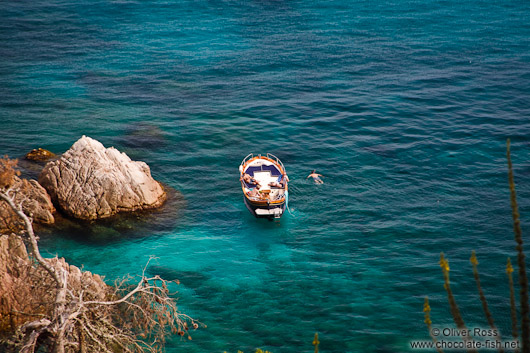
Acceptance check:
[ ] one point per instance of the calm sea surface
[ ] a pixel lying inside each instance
(403, 106)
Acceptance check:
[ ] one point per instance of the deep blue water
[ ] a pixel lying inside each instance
(403, 106)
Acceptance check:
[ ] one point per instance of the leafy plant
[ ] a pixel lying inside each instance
(523, 283)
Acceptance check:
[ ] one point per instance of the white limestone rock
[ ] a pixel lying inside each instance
(90, 181)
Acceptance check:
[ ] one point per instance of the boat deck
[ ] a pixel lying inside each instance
(265, 173)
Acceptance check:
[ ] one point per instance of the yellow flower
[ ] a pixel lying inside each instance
(473, 258)
(315, 341)
(509, 268)
(426, 307)
(427, 310)
(444, 264)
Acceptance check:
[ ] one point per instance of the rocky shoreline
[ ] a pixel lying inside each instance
(87, 182)
(47, 304)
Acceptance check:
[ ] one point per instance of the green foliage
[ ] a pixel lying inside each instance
(523, 279)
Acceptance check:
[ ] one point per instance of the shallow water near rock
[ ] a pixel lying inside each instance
(404, 107)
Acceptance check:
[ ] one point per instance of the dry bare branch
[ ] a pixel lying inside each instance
(83, 314)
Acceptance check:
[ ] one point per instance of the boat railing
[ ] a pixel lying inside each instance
(249, 156)
(273, 157)
(269, 155)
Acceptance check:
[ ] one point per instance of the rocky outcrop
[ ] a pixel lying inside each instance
(28, 291)
(90, 181)
(35, 202)
(39, 155)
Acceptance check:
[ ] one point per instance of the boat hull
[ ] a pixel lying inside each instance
(264, 183)
(264, 210)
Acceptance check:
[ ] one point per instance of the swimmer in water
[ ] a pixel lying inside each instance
(316, 177)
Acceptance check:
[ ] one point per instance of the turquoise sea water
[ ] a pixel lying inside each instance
(403, 106)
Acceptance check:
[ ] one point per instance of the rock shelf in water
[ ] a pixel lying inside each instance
(39, 155)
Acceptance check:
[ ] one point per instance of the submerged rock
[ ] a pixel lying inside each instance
(39, 155)
(35, 201)
(143, 135)
(90, 181)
